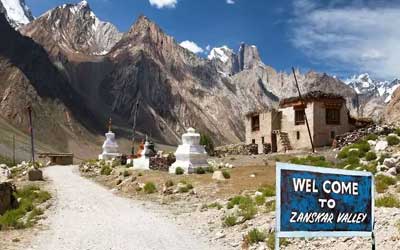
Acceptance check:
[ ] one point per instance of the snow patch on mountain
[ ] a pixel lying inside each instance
(16, 11)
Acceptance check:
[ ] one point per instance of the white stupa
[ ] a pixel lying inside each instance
(110, 146)
(190, 155)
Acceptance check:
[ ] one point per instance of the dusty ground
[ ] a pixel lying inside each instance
(88, 216)
(20, 239)
(188, 209)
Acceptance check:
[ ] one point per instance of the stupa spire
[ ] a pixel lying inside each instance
(109, 125)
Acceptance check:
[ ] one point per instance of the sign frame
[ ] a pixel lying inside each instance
(306, 234)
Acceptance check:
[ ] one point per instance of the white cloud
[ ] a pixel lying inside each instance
(230, 1)
(192, 46)
(163, 3)
(350, 38)
(208, 48)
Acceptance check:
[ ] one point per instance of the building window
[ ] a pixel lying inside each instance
(255, 123)
(332, 116)
(253, 141)
(298, 135)
(262, 140)
(299, 116)
(333, 134)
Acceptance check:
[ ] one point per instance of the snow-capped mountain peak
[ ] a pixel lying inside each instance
(363, 84)
(222, 53)
(16, 12)
(75, 28)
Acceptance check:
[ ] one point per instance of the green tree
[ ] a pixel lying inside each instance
(206, 141)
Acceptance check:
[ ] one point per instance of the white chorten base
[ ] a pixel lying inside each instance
(109, 156)
(190, 165)
(142, 163)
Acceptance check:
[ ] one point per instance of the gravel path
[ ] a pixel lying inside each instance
(87, 216)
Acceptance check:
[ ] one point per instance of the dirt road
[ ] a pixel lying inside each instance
(87, 216)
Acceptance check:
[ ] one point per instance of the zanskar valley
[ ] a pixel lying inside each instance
(116, 135)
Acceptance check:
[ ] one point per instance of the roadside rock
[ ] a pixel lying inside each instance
(35, 174)
(7, 199)
(381, 145)
(217, 175)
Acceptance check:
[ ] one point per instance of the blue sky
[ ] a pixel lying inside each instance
(340, 37)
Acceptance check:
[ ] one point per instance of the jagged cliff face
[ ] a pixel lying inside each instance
(28, 77)
(16, 12)
(392, 110)
(72, 29)
(177, 88)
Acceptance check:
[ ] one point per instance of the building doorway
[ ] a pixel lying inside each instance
(274, 146)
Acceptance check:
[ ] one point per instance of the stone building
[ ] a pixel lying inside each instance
(285, 128)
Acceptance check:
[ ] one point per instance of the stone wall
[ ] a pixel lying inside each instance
(289, 126)
(322, 130)
(237, 149)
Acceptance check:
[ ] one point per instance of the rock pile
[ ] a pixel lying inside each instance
(354, 136)
(162, 162)
(237, 149)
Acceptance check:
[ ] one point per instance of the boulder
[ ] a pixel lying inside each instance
(7, 199)
(5, 173)
(217, 175)
(392, 171)
(35, 174)
(381, 145)
(390, 162)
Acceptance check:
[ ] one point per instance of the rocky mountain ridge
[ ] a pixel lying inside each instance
(176, 88)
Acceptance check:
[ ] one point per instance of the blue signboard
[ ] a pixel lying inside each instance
(317, 202)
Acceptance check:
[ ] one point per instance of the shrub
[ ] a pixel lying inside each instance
(318, 161)
(371, 167)
(343, 153)
(105, 170)
(150, 188)
(270, 206)
(247, 208)
(371, 137)
(140, 174)
(215, 205)
(392, 140)
(259, 200)
(255, 236)
(370, 156)
(230, 221)
(382, 182)
(268, 191)
(183, 189)
(234, 201)
(169, 183)
(126, 173)
(388, 201)
(226, 174)
(208, 144)
(179, 171)
(271, 241)
(209, 169)
(189, 186)
(200, 170)
(397, 131)
(383, 157)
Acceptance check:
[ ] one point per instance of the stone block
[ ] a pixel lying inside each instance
(35, 175)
